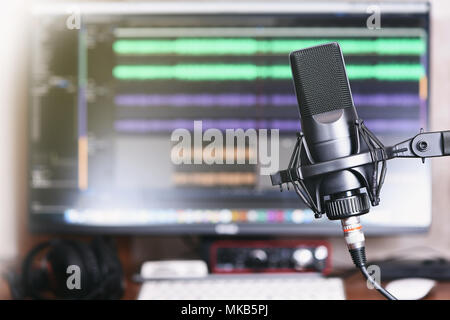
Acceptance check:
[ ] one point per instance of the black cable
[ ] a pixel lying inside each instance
(375, 284)
(359, 259)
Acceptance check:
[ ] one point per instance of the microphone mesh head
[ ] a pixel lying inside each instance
(320, 80)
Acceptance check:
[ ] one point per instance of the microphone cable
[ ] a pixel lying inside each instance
(355, 240)
(359, 257)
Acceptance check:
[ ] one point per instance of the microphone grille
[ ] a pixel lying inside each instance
(320, 79)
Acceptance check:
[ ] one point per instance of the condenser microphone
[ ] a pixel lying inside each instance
(331, 132)
(329, 119)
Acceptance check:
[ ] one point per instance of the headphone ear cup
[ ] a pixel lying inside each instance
(60, 257)
(100, 271)
(110, 269)
(33, 280)
(40, 279)
(90, 274)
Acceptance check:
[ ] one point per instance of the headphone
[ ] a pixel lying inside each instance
(100, 274)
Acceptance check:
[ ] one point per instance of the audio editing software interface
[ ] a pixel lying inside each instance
(107, 94)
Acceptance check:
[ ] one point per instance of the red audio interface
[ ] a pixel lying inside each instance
(277, 256)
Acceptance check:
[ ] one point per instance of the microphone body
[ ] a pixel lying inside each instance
(331, 130)
(328, 119)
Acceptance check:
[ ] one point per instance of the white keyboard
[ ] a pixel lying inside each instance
(245, 287)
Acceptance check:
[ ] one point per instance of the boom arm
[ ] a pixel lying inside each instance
(423, 145)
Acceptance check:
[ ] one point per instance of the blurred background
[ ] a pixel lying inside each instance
(86, 122)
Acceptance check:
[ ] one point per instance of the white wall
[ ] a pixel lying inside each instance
(11, 102)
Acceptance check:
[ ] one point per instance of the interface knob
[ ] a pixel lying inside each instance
(302, 258)
(257, 259)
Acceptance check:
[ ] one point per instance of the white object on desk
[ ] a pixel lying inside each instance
(174, 269)
(245, 287)
(410, 288)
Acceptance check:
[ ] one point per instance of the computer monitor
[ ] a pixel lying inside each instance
(111, 82)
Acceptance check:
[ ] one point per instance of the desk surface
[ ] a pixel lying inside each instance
(355, 289)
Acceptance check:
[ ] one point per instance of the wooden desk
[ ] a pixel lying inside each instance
(355, 289)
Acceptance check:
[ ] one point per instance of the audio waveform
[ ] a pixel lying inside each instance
(249, 72)
(239, 155)
(147, 126)
(251, 100)
(214, 178)
(142, 126)
(249, 46)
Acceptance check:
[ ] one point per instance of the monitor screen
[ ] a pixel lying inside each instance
(167, 118)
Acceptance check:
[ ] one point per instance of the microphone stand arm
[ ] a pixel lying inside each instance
(423, 145)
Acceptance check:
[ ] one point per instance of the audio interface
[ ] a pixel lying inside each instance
(277, 256)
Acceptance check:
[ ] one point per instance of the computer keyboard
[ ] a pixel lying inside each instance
(245, 287)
